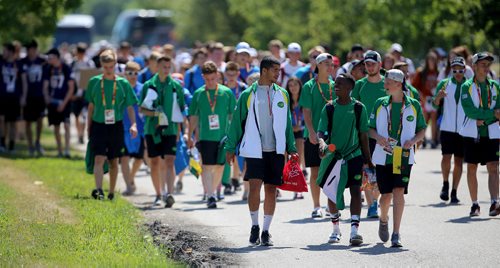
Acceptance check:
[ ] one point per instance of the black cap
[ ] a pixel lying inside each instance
(481, 56)
(54, 51)
(355, 63)
(457, 61)
(356, 47)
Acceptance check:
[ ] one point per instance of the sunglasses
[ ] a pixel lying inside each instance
(458, 71)
(130, 73)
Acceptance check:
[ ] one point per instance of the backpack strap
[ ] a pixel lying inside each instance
(330, 108)
(358, 108)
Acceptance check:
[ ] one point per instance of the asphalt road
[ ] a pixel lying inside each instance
(433, 233)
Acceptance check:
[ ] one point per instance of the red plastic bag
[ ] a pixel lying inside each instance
(293, 178)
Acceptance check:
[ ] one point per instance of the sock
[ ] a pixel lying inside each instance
(335, 220)
(255, 217)
(454, 192)
(446, 185)
(354, 224)
(493, 200)
(475, 203)
(267, 222)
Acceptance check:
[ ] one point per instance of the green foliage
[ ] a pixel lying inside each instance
(23, 20)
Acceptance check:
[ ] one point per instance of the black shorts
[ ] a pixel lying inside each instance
(34, 109)
(484, 151)
(452, 143)
(55, 117)
(209, 152)
(10, 108)
(139, 154)
(298, 134)
(269, 169)
(167, 146)
(77, 106)
(311, 154)
(107, 140)
(387, 180)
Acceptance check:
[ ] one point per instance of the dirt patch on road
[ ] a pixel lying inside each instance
(189, 247)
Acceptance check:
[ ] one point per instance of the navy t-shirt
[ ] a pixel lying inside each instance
(34, 75)
(58, 79)
(10, 84)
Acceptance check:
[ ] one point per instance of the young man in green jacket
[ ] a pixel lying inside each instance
(262, 125)
(161, 128)
(481, 129)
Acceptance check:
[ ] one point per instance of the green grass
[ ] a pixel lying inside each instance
(56, 224)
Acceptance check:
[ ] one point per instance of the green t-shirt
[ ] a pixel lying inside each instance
(395, 111)
(368, 93)
(165, 99)
(125, 96)
(312, 98)
(412, 92)
(344, 133)
(482, 113)
(224, 107)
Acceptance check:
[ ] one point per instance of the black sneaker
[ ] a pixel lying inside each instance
(494, 209)
(254, 236)
(265, 239)
(95, 193)
(212, 202)
(453, 197)
(444, 193)
(111, 196)
(396, 241)
(169, 201)
(236, 184)
(475, 210)
(228, 189)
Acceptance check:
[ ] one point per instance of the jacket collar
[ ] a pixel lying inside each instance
(386, 100)
(254, 86)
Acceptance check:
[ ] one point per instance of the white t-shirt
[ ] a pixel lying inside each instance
(288, 70)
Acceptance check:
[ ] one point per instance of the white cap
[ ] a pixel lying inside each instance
(243, 47)
(396, 75)
(396, 47)
(294, 47)
(252, 52)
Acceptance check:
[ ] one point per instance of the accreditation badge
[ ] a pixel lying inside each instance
(109, 116)
(213, 122)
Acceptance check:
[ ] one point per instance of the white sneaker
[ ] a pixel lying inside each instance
(317, 213)
(334, 237)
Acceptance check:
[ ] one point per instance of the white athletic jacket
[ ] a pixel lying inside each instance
(453, 112)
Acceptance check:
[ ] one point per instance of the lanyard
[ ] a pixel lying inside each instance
(321, 91)
(478, 89)
(295, 116)
(389, 120)
(212, 104)
(269, 102)
(104, 97)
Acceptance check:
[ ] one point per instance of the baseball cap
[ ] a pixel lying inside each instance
(243, 47)
(396, 47)
(294, 47)
(356, 47)
(396, 75)
(372, 56)
(481, 56)
(53, 51)
(321, 58)
(457, 61)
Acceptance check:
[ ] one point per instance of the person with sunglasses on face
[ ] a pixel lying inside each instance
(447, 98)
(481, 129)
(109, 96)
(134, 147)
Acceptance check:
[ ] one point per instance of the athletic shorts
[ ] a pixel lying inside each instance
(482, 152)
(137, 155)
(298, 134)
(354, 171)
(55, 117)
(77, 106)
(167, 146)
(34, 109)
(269, 168)
(107, 140)
(311, 154)
(209, 151)
(10, 108)
(387, 180)
(452, 143)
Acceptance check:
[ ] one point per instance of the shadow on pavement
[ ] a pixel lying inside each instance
(378, 249)
(247, 249)
(467, 219)
(439, 205)
(202, 208)
(324, 247)
(237, 202)
(308, 220)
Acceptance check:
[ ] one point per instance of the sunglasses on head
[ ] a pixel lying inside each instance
(458, 71)
(131, 73)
